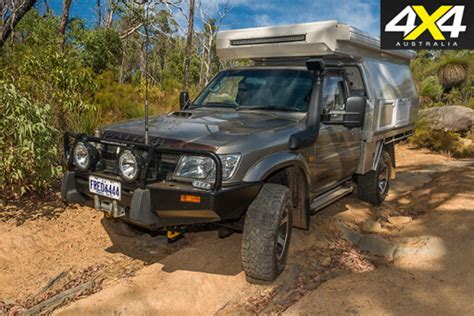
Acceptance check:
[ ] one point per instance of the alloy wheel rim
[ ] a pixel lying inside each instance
(383, 177)
(283, 229)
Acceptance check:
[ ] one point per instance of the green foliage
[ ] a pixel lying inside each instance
(48, 74)
(97, 77)
(442, 141)
(444, 77)
(116, 101)
(27, 143)
(102, 50)
(431, 90)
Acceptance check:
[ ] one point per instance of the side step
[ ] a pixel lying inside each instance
(329, 197)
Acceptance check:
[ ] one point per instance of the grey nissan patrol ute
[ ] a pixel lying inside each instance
(262, 147)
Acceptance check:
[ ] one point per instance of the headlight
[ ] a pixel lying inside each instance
(203, 168)
(129, 165)
(85, 156)
(194, 167)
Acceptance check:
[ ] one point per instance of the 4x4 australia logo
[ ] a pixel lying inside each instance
(435, 24)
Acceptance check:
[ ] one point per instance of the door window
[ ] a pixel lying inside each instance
(334, 96)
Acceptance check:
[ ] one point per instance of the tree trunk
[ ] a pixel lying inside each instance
(64, 20)
(99, 13)
(47, 8)
(9, 24)
(189, 44)
(201, 71)
(208, 62)
(110, 14)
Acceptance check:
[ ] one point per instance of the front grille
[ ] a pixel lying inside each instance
(161, 166)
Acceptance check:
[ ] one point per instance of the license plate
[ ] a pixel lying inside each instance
(105, 187)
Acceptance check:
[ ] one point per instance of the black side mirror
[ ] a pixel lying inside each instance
(355, 112)
(183, 99)
(352, 117)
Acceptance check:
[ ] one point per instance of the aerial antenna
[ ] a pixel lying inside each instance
(147, 40)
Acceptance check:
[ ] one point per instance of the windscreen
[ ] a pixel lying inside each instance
(259, 89)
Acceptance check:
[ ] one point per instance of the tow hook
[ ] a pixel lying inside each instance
(111, 208)
(175, 235)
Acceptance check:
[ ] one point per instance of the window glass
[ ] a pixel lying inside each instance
(284, 89)
(355, 80)
(334, 96)
(226, 91)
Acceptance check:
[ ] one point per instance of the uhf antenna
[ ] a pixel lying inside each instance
(147, 39)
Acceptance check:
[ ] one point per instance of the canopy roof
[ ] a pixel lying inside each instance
(300, 40)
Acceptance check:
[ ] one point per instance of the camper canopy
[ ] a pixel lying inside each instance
(301, 40)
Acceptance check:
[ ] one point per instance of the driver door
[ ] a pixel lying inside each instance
(337, 148)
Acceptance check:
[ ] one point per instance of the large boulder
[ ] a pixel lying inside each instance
(452, 118)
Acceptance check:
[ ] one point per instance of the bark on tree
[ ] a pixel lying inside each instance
(189, 44)
(46, 5)
(110, 14)
(64, 20)
(99, 13)
(130, 31)
(211, 27)
(9, 23)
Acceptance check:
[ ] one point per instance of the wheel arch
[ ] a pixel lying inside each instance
(274, 162)
(291, 170)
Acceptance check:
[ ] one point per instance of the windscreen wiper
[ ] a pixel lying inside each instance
(265, 107)
(215, 105)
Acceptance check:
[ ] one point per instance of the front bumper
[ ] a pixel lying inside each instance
(158, 205)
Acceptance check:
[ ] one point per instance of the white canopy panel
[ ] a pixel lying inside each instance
(300, 40)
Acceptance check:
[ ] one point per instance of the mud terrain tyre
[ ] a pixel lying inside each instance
(267, 233)
(373, 186)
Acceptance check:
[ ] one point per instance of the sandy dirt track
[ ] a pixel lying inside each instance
(427, 222)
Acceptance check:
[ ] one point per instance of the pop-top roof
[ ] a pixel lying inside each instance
(300, 40)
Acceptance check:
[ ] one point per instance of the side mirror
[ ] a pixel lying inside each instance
(355, 112)
(183, 99)
(352, 117)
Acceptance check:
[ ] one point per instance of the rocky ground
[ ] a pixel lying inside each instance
(413, 254)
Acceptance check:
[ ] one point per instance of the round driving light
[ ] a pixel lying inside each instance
(82, 157)
(129, 165)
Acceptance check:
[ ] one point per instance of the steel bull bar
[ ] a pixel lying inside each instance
(156, 204)
(151, 149)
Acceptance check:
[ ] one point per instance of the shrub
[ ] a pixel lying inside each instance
(116, 101)
(102, 50)
(431, 90)
(453, 74)
(48, 74)
(441, 141)
(28, 150)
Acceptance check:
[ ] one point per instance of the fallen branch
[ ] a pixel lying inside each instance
(52, 281)
(50, 304)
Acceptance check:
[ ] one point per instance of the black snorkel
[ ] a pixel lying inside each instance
(313, 118)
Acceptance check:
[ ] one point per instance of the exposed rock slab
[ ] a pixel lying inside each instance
(452, 118)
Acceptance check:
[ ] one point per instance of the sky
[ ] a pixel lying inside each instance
(363, 14)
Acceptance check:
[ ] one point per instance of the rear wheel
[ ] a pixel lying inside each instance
(373, 186)
(267, 233)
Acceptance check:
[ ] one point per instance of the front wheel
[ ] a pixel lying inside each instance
(374, 185)
(267, 232)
